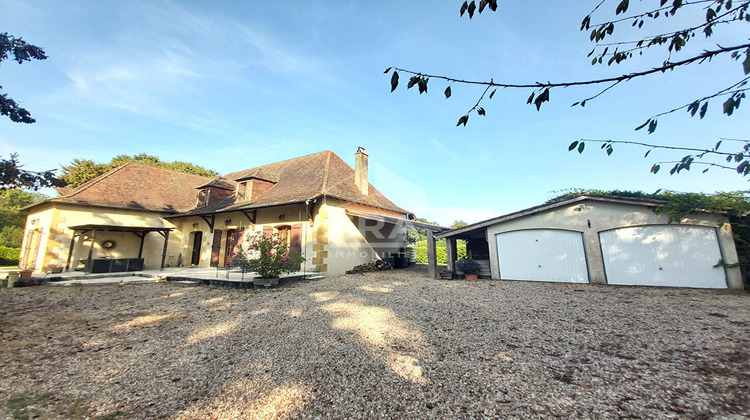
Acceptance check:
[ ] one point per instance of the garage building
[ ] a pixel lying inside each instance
(604, 240)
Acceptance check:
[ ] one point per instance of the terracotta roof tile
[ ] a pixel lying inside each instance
(141, 187)
(300, 179)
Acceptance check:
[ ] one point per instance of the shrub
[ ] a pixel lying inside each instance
(9, 256)
(266, 255)
(468, 266)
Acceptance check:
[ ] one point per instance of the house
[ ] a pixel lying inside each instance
(138, 216)
(604, 240)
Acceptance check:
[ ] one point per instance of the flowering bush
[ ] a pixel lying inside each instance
(265, 255)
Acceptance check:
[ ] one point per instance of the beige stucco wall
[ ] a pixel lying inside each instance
(55, 218)
(353, 241)
(272, 216)
(605, 216)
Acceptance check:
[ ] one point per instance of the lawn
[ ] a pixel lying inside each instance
(387, 345)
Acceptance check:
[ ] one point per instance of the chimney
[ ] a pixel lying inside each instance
(360, 171)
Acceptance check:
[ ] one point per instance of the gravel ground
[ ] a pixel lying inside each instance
(378, 345)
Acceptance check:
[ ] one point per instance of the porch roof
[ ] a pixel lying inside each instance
(395, 220)
(121, 228)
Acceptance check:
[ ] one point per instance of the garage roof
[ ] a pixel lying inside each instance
(472, 229)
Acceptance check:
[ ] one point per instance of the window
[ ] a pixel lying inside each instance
(203, 198)
(241, 191)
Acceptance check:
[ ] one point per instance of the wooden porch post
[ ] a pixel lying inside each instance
(140, 247)
(70, 252)
(431, 255)
(164, 253)
(451, 253)
(89, 265)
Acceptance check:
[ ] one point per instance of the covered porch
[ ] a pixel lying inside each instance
(94, 232)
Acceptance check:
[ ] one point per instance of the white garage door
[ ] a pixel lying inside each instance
(679, 256)
(542, 255)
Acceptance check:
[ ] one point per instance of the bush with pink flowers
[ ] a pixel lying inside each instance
(266, 255)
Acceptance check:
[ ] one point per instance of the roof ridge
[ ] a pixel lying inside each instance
(91, 182)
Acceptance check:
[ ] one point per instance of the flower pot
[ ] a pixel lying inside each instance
(471, 277)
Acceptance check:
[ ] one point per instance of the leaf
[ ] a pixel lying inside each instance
(493, 93)
(583, 103)
(693, 108)
(464, 7)
(746, 63)
(585, 23)
(717, 145)
(531, 98)
(480, 111)
(703, 110)
(710, 14)
(573, 145)
(651, 126)
(394, 81)
(643, 125)
(412, 81)
(387, 70)
(463, 120)
(647, 152)
(482, 5)
(447, 92)
(622, 7)
(422, 85)
(610, 150)
(581, 145)
(655, 168)
(729, 106)
(472, 8)
(542, 98)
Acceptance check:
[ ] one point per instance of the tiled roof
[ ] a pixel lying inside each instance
(139, 187)
(300, 179)
(219, 182)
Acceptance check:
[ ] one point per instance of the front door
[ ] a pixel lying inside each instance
(215, 248)
(229, 246)
(197, 239)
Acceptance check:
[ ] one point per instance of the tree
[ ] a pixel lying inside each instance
(13, 176)
(12, 220)
(718, 14)
(82, 170)
(21, 52)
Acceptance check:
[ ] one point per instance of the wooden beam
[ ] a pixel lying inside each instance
(70, 251)
(140, 247)
(431, 255)
(164, 253)
(451, 253)
(89, 265)
(210, 222)
(251, 215)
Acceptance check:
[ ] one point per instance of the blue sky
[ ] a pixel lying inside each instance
(232, 85)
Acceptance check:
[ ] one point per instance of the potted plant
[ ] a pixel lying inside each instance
(470, 268)
(267, 256)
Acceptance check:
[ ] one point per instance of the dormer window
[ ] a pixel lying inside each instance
(242, 191)
(203, 198)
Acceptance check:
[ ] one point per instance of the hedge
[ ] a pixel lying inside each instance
(421, 252)
(9, 256)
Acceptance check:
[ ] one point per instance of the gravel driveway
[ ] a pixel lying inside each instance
(378, 345)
